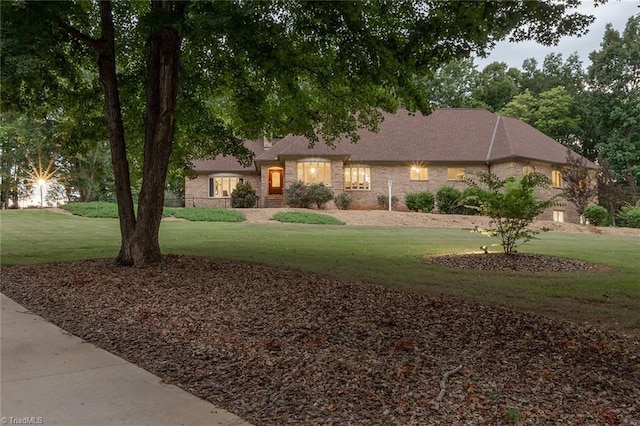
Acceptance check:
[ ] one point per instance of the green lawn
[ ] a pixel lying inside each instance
(391, 256)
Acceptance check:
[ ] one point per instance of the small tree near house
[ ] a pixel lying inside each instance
(580, 185)
(512, 206)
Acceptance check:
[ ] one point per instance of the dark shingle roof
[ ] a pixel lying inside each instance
(446, 135)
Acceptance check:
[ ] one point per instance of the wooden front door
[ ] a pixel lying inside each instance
(276, 177)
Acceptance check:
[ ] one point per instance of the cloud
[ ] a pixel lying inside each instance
(616, 12)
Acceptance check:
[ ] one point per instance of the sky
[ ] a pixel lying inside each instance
(615, 12)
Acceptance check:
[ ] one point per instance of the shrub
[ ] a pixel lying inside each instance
(343, 201)
(470, 203)
(596, 215)
(512, 206)
(383, 201)
(320, 194)
(308, 218)
(630, 215)
(296, 195)
(448, 200)
(419, 201)
(244, 196)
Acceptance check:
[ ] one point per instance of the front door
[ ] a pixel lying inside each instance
(275, 181)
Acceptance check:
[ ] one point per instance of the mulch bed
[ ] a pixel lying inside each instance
(280, 346)
(519, 262)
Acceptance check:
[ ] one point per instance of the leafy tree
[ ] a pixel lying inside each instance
(222, 71)
(611, 192)
(614, 100)
(550, 112)
(580, 182)
(496, 86)
(554, 72)
(512, 206)
(452, 85)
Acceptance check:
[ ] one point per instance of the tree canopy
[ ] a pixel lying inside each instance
(192, 79)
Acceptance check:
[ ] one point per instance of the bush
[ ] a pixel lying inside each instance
(383, 201)
(470, 203)
(308, 218)
(419, 201)
(296, 195)
(448, 200)
(244, 196)
(512, 206)
(630, 215)
(343, 201)
(596, 215)
(320, 194)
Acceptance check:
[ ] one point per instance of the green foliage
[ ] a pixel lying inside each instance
(206, 214)
(512, 206)
(383, 201)
(448, 200)
(244, 196)
(300, 195)
(630, 216)
(470, 200)
(419, 201)
(512, 416)
(320, 194)
(308, 218)
(343, 200)
(296, 195)
(93, 209)
(596, 215)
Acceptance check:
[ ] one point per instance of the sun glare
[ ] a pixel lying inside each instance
(39, 176)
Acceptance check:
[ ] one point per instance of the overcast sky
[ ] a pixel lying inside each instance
(615, 12)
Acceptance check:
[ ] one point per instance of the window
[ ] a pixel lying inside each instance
(419, 173)
(357, 177)
(558, 216)
(527, 170)
(316, 171)
(222, 186)
(556, 179)
(455, 173)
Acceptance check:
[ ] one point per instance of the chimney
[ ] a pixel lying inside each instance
(266, 143)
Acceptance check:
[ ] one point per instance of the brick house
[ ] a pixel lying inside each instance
(414, 152)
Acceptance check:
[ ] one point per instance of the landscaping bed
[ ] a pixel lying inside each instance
(280, 346)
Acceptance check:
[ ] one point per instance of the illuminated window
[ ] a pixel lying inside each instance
(316, 171)
(556, 179)
(357, 177)
(527, 170)
(419, 173)
(558, 216)
(222, 186)
(455, 173)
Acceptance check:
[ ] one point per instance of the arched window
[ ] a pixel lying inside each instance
(527, 170)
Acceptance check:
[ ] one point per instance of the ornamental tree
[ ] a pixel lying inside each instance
(512, 206)
(185, 79)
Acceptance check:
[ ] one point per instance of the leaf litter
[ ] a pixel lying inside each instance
(279, 346)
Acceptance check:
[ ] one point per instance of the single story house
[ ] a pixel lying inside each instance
(410, 153)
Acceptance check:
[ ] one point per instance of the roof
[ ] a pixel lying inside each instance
(454, 135)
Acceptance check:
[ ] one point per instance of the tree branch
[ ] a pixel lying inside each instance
(82, 37)
(443, 382)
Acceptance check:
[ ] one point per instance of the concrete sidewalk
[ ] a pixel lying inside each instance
(50, 377)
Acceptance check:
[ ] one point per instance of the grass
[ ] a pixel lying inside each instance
(100, 209)
(390, 256)
(306, 217)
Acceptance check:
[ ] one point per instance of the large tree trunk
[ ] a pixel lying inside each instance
(115, 127)
(163, 63)
(140, 244)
